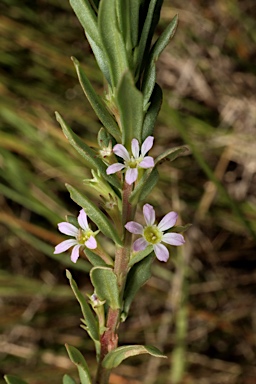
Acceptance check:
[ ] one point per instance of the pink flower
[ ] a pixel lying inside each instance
(84, 236)
(153, 234)
(134, 161)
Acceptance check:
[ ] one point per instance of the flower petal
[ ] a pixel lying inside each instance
(121, 151)
(135, 148)
(147, 145)
(173, 239)
(168, 221)
(114, 168)
(82, 220)
(131, 175)
(64, 245)
(68, 229)
(161, 252)
(91, 243)
(147, 162)
(75, 253)
(134, 227)
(149, 214)
(140, 244)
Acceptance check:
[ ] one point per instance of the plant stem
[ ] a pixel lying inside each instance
(109, 339)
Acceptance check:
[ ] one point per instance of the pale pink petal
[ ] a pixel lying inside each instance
(149, 214)
(75, 253)
(140, 244)
(131, 175)
(68, 229)
(134, 227)
(168, 221)
(114, 168)
(135, 148)
(147, 145)
(161, 252)
(147, 162)
(91, 243)
(64, 245)
(121, 151)
(82, 220)
(173, 239)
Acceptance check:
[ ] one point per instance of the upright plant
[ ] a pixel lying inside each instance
(120, 33)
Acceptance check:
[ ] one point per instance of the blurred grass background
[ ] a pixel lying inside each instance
(200, 307)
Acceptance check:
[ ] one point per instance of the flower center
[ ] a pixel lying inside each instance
(133, 163)
(152, 234)
(83, 236)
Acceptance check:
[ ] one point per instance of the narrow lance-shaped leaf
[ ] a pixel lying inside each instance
(164, 39)
(134, 10)
(77, 358)
(68, 380)
(115, 358)
(123, 15)
(95, 214)
(152, 112)
(94, 259)
(112, 41)
(137, 277)
(86, 152)
(149, 80)
(96, 102)
(100, 57)
(150, 70)
(87, 18)
(90, 320)
(130, 102)
(171, 154)
(10, 379)
(104, 281)
(138, 256)
(151, 21)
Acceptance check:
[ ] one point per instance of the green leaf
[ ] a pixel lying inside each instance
(86, 152)
(149, 80)
(134, 9)
(124, 17)
(138, 256)
(77, 358)
(144, 186)
(95, 214)
(94, 259)
(87, 18)
(10, 379)
(96, 102)
(68, 380)
(149, 77)
(171, 154)
(104, 281)
(137, 277)
(100, 57)
(130, 102)
(152, 112)
(163, 40)
(112, 40)
(180, 228)
(151, 21)
(115, 358)
(89, 318)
